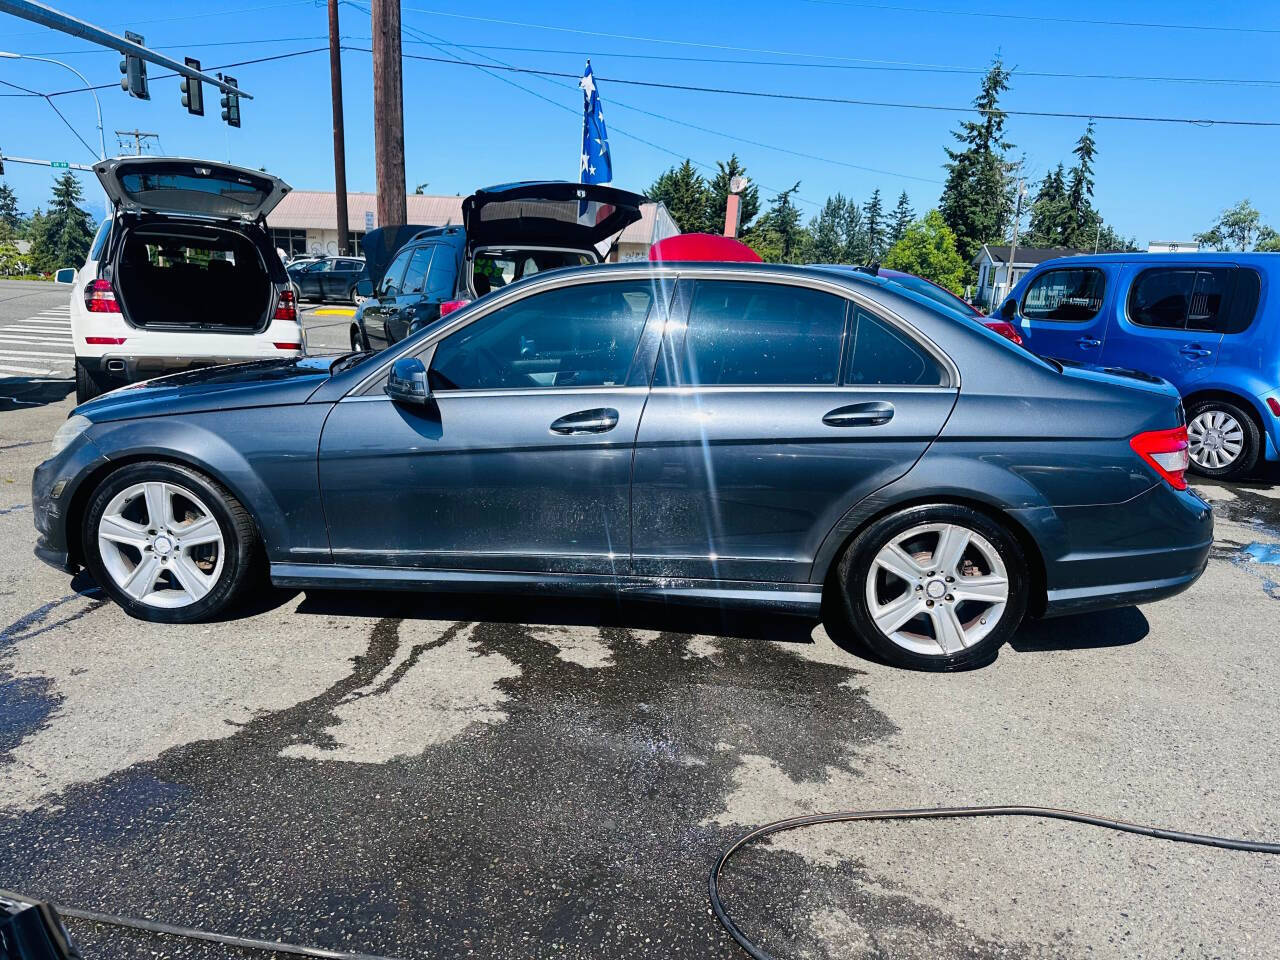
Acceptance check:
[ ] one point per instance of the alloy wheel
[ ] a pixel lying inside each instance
(1215, 439)
(937, 589)
(160, 544)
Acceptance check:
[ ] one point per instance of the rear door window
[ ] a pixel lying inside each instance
(1067, 295)
(1162, 298)
(415, 275)
(390, 284)
(742, 333)
(880, 354)
(443, 278)
(1208, 299)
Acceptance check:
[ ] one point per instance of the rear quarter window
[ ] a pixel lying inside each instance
(1065, 295)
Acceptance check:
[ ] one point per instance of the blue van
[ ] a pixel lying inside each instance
(1209, 323)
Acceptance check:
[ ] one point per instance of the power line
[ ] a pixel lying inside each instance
(851, 101)
(1148, 25)
(177, 46)
(191, 16)
(28, 92)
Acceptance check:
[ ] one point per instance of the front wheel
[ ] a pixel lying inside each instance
(167, 543)
(1224, 441)
(935, 587)
(357, 341)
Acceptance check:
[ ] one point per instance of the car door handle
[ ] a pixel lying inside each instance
(599, 420)
(1088, 343)
(871, 413)
(1195, 350)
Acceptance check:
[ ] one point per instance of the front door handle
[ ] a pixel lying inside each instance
(871, 413)
(1088, 343)
(1194, 350)
(599, 420)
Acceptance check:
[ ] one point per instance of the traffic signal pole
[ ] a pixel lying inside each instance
(388, 113)
(339, 132)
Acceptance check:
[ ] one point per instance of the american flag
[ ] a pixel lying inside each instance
(595, 165)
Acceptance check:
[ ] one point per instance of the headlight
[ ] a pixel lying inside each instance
(68, 432)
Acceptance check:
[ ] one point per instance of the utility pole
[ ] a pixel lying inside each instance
(339, 133)
(139, 137)
(1017, 219)
(388, 114)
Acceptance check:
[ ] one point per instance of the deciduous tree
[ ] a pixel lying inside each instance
(928, 249)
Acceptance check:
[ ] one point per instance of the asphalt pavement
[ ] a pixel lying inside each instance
(462, 776)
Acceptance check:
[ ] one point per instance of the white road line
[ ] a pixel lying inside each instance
(50, 322)
(33, 342)
(39, 371)
(22, 354)
(44, 330)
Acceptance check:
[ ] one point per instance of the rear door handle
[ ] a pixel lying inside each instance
(1088, 343)
(599, 420)
(870, 413)
(1195, 350)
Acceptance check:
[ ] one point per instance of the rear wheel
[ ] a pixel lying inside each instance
(1224, 441)
(167, 543)
(87, 385)
(357, 340)
(935, 587)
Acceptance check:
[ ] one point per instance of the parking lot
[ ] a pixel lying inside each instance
(431, 776)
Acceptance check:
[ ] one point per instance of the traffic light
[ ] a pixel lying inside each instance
(193, 90)
(230, 103)
(134, 70)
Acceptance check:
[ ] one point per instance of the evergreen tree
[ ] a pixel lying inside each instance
(65, 232)
(876, 227)
(1049, 212)
(975, 200)
(718, 196)
(685, 194)
(856, 247)
(901, 219)
(777, 235)
(927, 248)
(10, 218)
(827, 231)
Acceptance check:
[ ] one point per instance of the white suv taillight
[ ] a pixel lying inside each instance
(286, 308)
(100, 298)
(1166, 451)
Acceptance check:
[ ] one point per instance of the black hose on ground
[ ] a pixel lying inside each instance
(948, 813)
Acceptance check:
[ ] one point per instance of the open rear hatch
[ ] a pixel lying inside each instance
(190, 188)
(548, 213)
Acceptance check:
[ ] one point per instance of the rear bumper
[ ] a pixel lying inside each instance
(114, 370)
(1148, 548)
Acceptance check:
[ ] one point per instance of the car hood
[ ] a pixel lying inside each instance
(255, 383)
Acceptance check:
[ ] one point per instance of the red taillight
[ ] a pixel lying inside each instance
(449, 306)
(105, 341)
(1274, 404)
(1166, 452)
(1005, 329)
(287, 346)
(286, 309)
(100, 298)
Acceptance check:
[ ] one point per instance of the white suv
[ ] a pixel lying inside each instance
(182, 275)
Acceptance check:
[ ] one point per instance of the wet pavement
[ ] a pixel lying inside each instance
(463, 776)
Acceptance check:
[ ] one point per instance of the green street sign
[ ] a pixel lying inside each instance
(61, 164)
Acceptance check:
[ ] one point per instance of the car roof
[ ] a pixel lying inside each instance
(1268, 260)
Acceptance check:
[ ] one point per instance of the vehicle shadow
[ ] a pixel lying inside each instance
(563, 611)
(1084, 631)
(23, 393)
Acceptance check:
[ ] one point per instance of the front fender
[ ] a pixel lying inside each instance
(266, 458)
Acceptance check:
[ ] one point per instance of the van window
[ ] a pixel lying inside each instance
(762, 334)
(390, 284)
(443, 277)
(1210, 299)
(882, 354)
(415, 276)
(1066, 295)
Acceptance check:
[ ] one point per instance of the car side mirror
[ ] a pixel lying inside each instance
(408, 382)
(1010, 310)
(66, 275)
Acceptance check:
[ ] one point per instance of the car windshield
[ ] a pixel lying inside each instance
(498, 267)
(935, 292)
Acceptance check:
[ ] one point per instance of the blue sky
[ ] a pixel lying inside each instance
(465, 129)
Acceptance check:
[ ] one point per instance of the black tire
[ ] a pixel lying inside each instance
(358, 342)
(855, 568)
(87, 385)
(239, 534)
(351, 296)
(1247, 459)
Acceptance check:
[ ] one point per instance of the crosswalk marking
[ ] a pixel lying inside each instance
(38, 346)
(34, 342)
(19, 355)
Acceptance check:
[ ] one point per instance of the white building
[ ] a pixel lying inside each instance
(306, 222)
(996, 276)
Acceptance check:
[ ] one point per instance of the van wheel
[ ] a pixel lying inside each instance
(935, 587)
(168, 544)
(1224, 440)
(87, 386)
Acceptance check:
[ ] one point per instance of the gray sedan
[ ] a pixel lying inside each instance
(742, 435)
